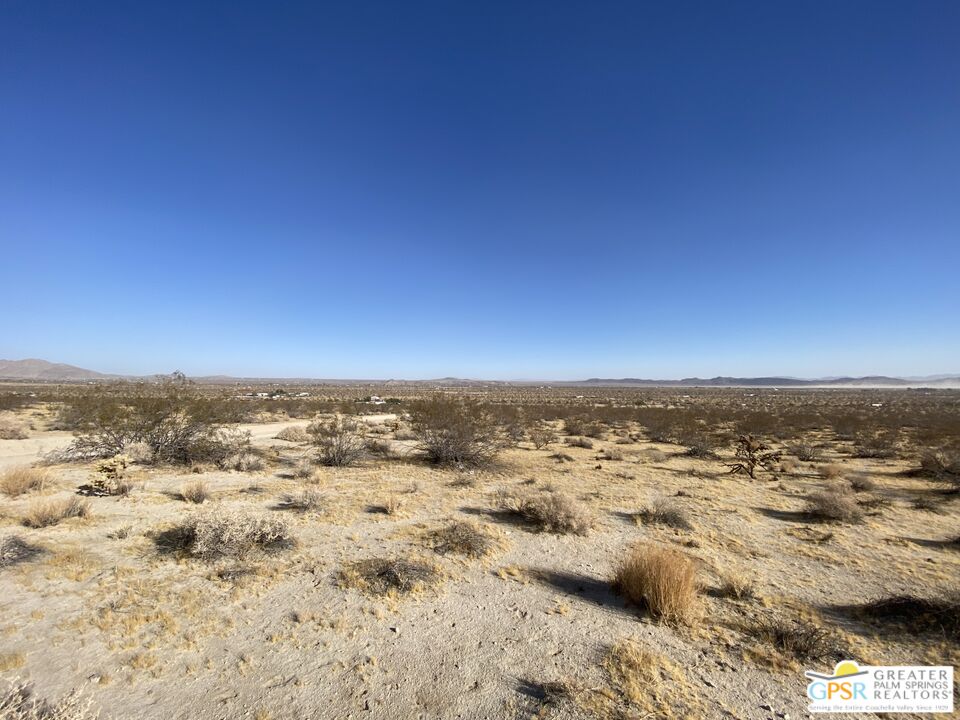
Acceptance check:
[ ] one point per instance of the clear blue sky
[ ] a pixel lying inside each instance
(487, 189)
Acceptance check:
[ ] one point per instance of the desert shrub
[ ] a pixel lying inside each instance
(456, 431)
(665, 512)
(699, 445)
(832, 471)
(195, 491)
(789, 465)
(594, 430)
(10, 430)
(19, 480)
(405, 434)
(562, 457)
(913, 615)
(881, 446)
(802, 640)
(662, 580)
(389, 576)
(833, 505)
(244, 460)
(928, 503)
(542, 435)
(862, 483)
(15, 550)
(611, 453)
(574, 426)
(943, 464)
(307, 500)
(462, 538)
(339, 441)
(580, 442)
(47, 512)
(303, 469)
(225, 532)
(548, 511)
(17, 702)
(179, 425)
(294, 433)
(379, 448)
(806, 452)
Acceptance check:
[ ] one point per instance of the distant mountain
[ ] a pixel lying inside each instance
(41, 370)
(33, 369)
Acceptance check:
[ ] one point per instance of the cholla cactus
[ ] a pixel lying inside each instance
(110, 476)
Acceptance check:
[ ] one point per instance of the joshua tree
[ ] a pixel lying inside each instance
(751, 454)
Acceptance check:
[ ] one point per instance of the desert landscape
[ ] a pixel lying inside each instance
(175, 550)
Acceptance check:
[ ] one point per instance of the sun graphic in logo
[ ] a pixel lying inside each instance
(843, 669)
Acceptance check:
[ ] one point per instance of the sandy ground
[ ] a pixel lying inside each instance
(148, 636)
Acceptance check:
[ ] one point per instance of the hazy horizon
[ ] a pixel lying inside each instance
(536, 191)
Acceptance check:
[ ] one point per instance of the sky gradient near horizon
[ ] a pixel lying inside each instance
(501, 190)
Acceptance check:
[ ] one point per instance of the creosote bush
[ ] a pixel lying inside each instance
(662, 580)
(340, 441)
(47, 512)
(20, 480)
(548, 511)
(456, 431)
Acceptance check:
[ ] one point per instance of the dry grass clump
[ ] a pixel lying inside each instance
(15, 550)
(833, 505)
(832, 471)
(10, 430)
(226, 533)
(17, 702)
(463, 538)
(303, 469)
(802, 640)
(548, 511)
(662, 580)
(294, 433)
(389, 576)
(19, 480)
(648, 682)
(665, 512)
(44, 513)
(307, 500)
(736, 587)
(195, 491)
(913, 615)
(580, 442)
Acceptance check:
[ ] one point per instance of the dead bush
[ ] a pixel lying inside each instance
(833, 505)
(294, 434)
(549, 511)
(802, 640)
(20, 480)
(44, 513)
(15, 550)
(752, 454)
(195, 491)
(662, 580)
(456, 431)
(17, 702)
(462, 538)
(339, 441)
(222, 532)
(664, 511)
(389, 576)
